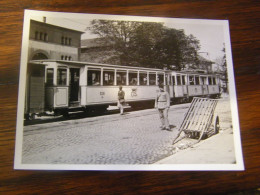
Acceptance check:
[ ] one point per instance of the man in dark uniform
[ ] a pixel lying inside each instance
(121, 100)
(162, 103)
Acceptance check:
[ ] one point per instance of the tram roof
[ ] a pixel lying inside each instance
(195, 73)
(80, 63)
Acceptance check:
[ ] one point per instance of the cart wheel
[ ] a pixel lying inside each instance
(216, 125)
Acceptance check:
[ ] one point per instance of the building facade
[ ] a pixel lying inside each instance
(48, 41)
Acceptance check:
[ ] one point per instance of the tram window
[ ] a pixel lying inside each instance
(94, 77)
(197, 80)
(166, 79)
(183, 80)
(191, 80)
(214, 81)
(210, 81)
(49, 76)
(203, 80)
(121, 78)
(178, 80)
(62, 76)
(173, 80)
(142, 78)
(160, 79)
(152, 79)
(132, 78)
(108, 77)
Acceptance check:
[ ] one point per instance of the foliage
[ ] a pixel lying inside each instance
(148, 44)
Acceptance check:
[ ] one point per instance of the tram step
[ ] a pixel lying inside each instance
(116, 108)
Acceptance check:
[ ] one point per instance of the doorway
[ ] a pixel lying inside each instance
(74, 86)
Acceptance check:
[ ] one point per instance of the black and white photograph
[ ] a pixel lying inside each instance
(116, 92)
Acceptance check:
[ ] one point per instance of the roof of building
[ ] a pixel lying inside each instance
(55, 26)
(95, 42)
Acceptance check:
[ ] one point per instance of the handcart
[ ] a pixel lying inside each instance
(200, 120)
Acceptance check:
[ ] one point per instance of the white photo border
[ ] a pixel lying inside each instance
(150, 167)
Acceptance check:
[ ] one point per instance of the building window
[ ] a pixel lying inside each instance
(66, 40)
(41, 36)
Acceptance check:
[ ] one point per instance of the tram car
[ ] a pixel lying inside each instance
(186, 85)
(61, 86)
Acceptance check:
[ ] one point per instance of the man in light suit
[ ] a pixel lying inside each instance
(162, 103)
(121, 100)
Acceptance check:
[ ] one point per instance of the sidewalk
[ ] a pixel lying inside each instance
(205, 151)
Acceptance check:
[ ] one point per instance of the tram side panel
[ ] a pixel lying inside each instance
(213, 90)
(195, 90)
(56, 97)
(108, 95)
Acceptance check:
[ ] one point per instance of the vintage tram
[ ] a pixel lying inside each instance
(62, 86)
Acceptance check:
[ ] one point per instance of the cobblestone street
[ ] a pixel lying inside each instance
(133, 138)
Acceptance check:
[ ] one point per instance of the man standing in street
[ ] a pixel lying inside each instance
(121, 100)
(162, 103)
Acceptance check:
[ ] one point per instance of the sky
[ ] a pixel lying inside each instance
(210, 35)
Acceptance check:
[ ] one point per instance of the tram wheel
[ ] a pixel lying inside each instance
(65, 114)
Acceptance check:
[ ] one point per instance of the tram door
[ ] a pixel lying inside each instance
(74, 87)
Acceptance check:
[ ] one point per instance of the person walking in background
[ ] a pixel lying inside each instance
(121, 100)
(162, 103)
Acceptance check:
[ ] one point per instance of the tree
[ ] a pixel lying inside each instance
(222, 69)
(148, 44)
